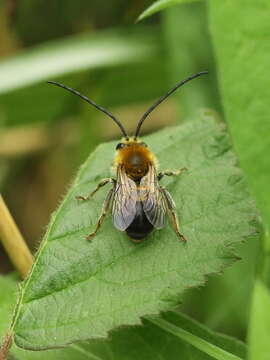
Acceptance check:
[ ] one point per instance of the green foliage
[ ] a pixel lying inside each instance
(79, 290)
(235, 285)
(190, 332)
(189, 50)
(72, 55)
(259, 323)
(7, 302)
(69, 58)
(161, 5)
(92, 288)
(239, 35)
(67, 16)
(139, 342)
(243, 55)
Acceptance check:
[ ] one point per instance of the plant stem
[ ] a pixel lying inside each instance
(201, 344)
(264, 270)
(13, 241)
(5, 347)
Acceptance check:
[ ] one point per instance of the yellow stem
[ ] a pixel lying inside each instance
(5, 347)
(13, 241)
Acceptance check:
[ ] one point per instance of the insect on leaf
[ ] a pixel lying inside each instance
(79, 290)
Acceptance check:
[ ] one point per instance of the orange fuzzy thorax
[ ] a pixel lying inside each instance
(135, 157)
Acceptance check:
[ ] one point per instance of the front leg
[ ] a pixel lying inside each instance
(171, 173)
(170, 205)
(105, 209)
(99, 185)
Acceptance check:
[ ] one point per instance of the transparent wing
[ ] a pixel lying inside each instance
(152, 198)
(124, 201)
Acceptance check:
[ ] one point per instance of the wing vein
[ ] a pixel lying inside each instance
(124, 201)
(152, 199)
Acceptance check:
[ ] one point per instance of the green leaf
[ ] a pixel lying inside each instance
(188, 51)
(160, 5)
(239, 30)
(72, 58)
(235, 286)
(71, 55)
(147, 340)
(191, 332)
(79, 290)
(7, 302)
(259, 329)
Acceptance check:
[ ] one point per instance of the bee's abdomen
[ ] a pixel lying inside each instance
(140, 226)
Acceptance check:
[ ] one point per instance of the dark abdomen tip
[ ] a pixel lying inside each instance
(140, 227)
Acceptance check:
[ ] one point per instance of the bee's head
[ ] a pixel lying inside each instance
(134, 155)
(128, 142)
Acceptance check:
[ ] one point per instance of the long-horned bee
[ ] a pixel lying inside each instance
(137, 200)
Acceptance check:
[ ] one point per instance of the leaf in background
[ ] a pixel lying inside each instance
(211, 344)
(160, 5)
(259, 323)
(235, 285)
(8, 289)
(189, 50)
(24, 99)
(240, 35)
(239, 31)
(71, 55)
(79, 290)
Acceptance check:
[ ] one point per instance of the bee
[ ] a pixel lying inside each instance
(137, 201)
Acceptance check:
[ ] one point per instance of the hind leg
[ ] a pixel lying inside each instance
(170, 205)
(105, 209)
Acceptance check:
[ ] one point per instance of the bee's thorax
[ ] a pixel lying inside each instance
(135, 158)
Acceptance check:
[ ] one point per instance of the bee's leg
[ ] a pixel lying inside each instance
(170, 173)
(105, 209)
(172, 213)
(99, 185)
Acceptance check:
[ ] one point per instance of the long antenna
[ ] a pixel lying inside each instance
(92, 103)
(162, 98)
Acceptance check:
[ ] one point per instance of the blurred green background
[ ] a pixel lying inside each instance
(46, 133)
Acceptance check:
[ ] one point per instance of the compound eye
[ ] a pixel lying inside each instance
(120, 146)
